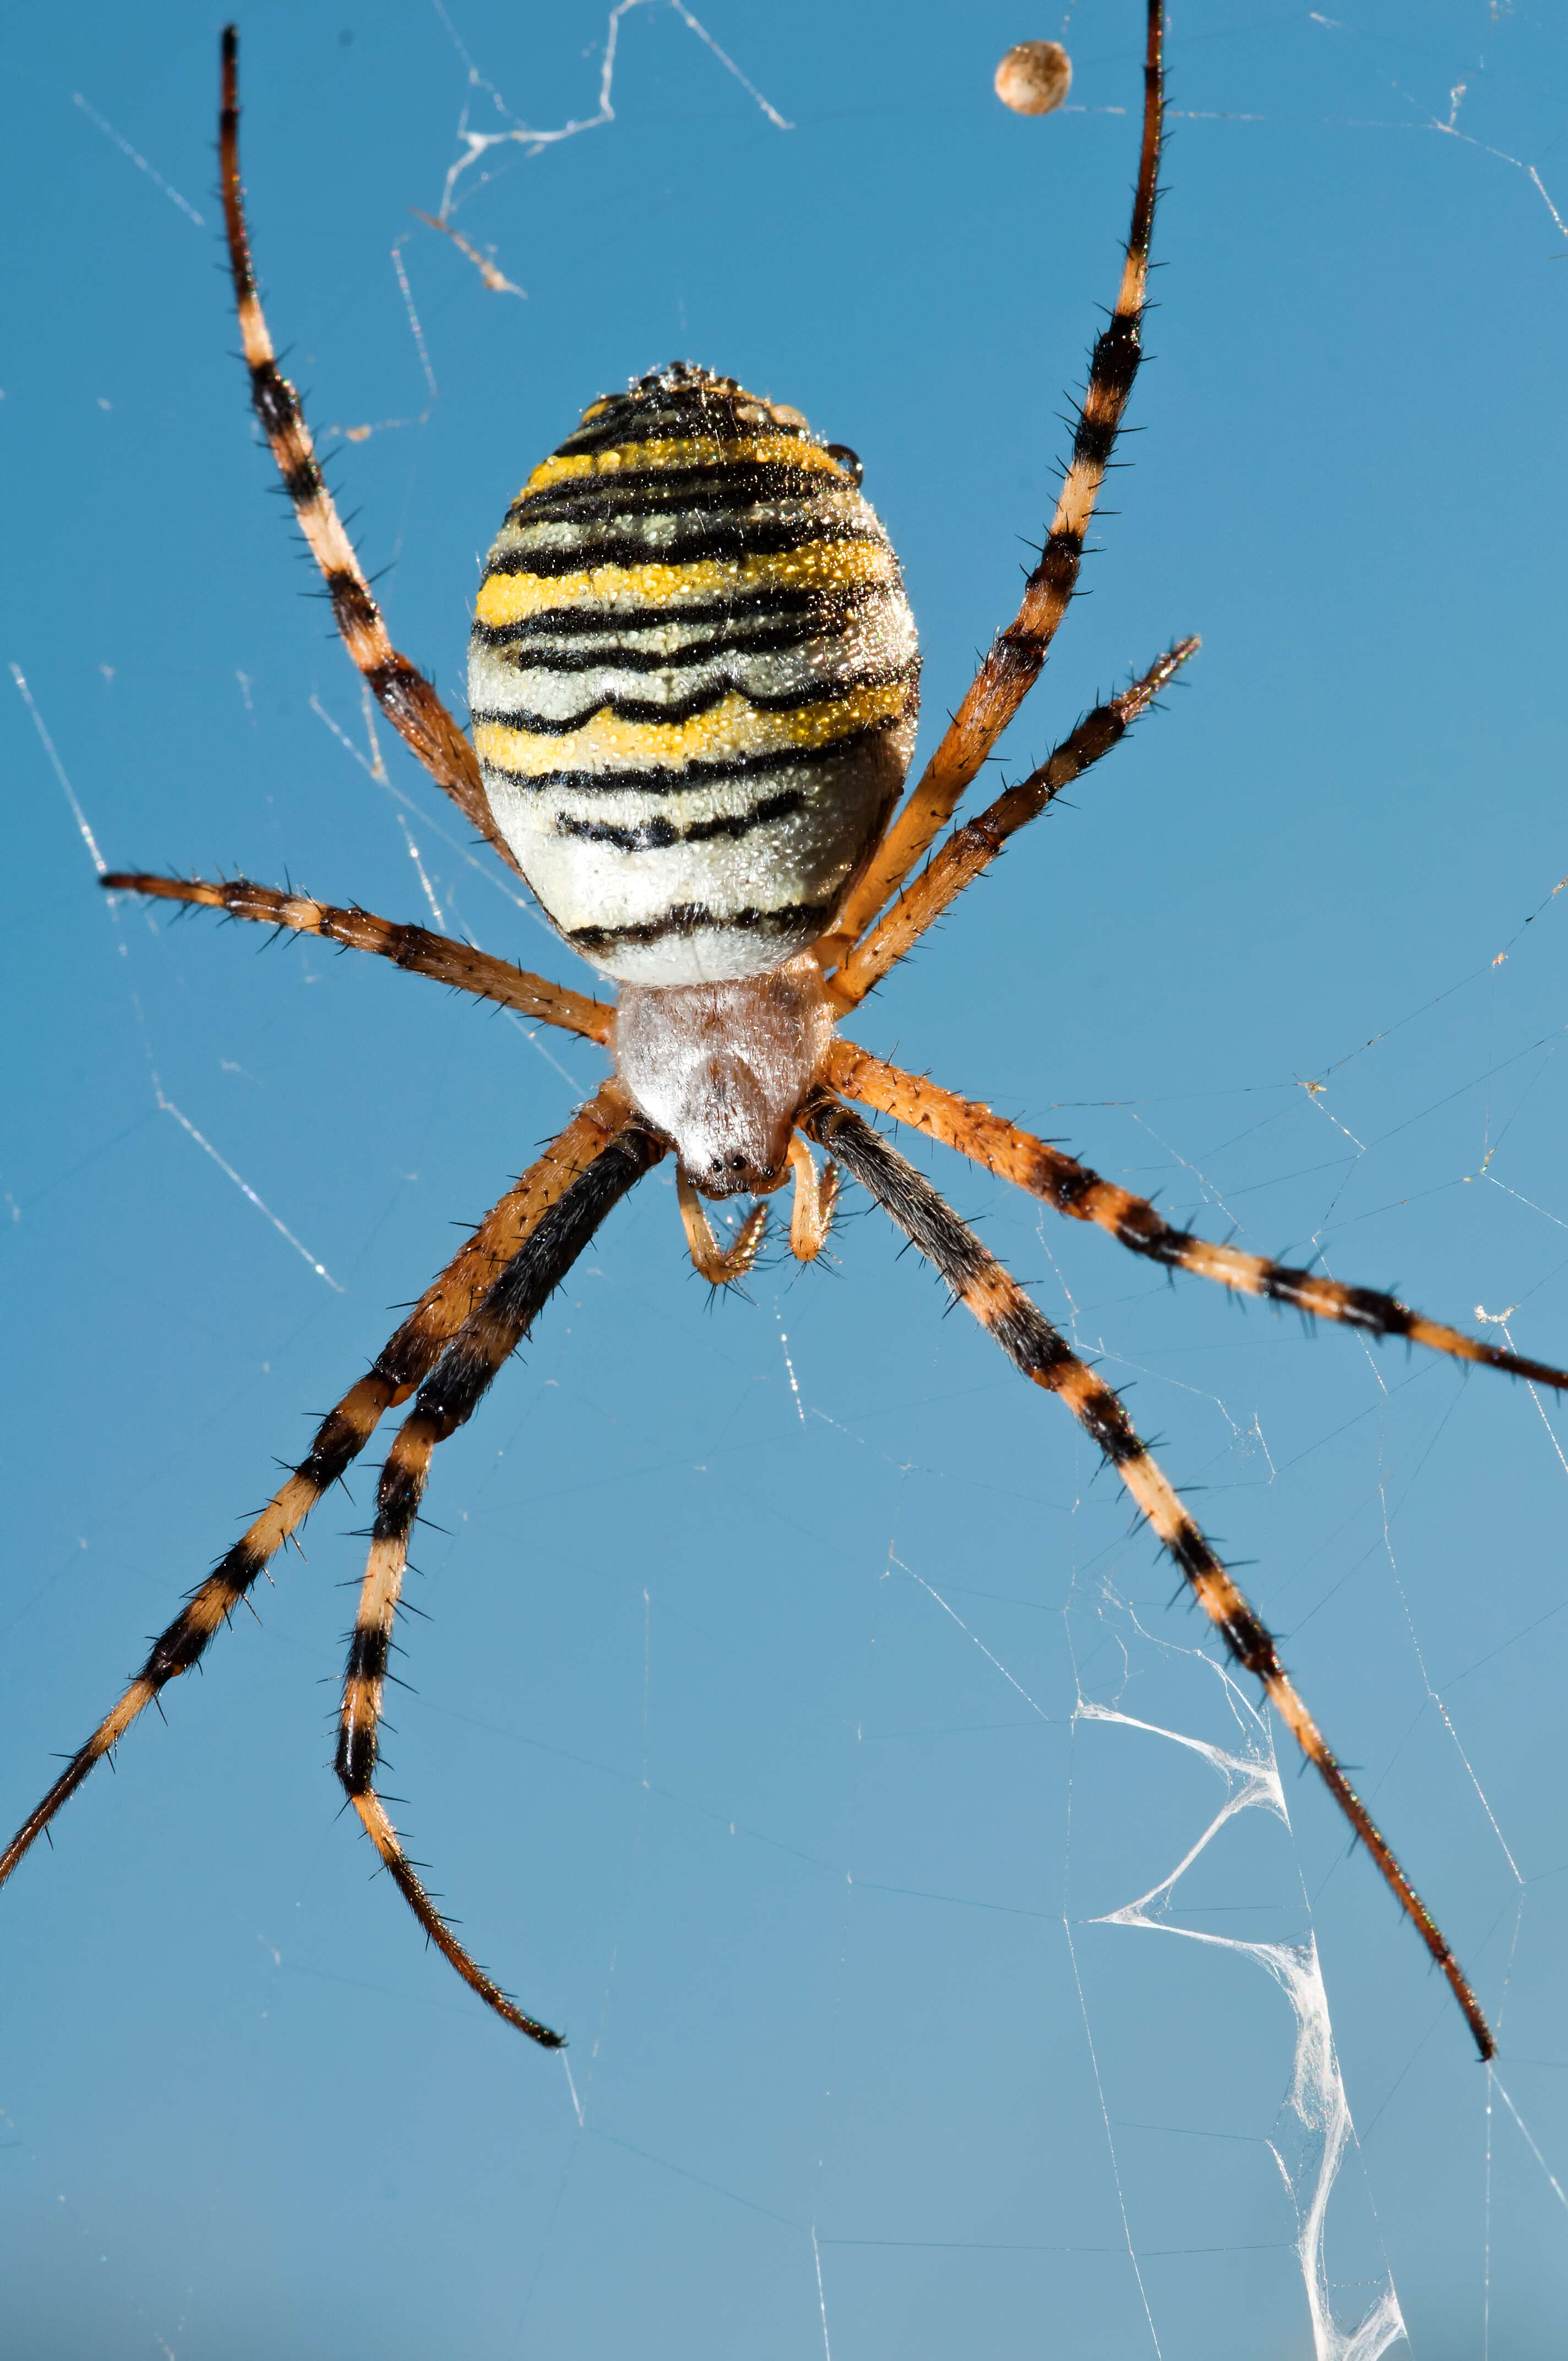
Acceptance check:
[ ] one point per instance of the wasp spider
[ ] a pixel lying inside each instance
(693, 681)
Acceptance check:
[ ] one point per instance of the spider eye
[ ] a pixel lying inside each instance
(848, 460)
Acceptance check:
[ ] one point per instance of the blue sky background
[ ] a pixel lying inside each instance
(742, 1734)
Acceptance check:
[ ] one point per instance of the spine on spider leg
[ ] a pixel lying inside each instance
(1042, 1354)
(405, 696)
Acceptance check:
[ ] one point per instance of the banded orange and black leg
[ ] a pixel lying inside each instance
(446, 1400)
(1013, 663)
(1035, 1348)
(1016, 1155)
(403, 1363)
(971, 850)
(414, 948)
(407, 698)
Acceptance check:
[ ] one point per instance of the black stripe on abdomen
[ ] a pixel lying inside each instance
(739, 537)
(680, 779)
(696, 919)
(658, 835)
(805, 614)
(715, 417)
(815, 691)
(738, 486)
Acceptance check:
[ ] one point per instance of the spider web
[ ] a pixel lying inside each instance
(796, 1715)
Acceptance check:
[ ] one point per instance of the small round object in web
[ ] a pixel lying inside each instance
(1034, 77)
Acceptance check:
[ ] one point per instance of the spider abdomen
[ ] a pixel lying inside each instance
(693, 675)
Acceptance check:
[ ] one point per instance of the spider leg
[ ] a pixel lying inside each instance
(446, 1400)
(972, 847)
(720, 1266)
(816, 1196)
(406, 1359)
(407, 698)
(1013, 663)
(413, 947)
(1034, 1348)
(1072, 1188)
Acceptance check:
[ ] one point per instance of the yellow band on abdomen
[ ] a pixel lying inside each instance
(684, 451)
(819, 566)
(731, 729)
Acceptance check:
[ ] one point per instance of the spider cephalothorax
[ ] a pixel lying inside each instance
(723, 1069)
(693, 677)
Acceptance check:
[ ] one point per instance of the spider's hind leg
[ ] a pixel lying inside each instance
(407, 1357)
(1039, 1353)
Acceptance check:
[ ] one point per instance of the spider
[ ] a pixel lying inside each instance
(693, 686)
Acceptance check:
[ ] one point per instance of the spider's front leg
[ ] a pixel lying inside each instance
(446, 1400)
(409, 701)
(1015, 661)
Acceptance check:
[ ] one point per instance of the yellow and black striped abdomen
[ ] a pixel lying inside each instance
(693, 676)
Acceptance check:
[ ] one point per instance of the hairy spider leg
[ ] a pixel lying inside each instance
(446, 1400)
(1016, 1155)
(413, 947)
(720, 1266)
(464, 969)
(406, 698)
(971, 850)
(963, 1124)
(1035, 1348)
(405, 1361)
(1013, 663)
